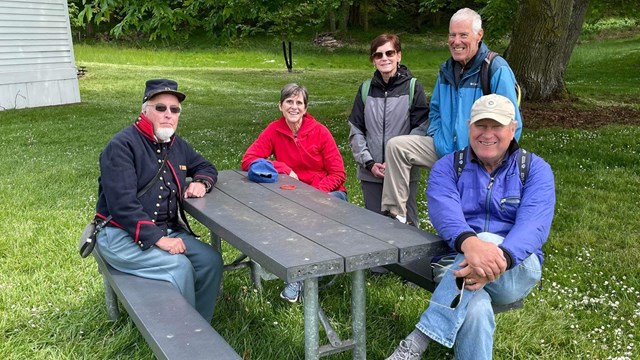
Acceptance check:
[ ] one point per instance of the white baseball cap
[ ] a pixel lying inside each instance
(495, 107)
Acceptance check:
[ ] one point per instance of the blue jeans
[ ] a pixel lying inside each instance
(196, 274)
(339, 194)
(470, 326)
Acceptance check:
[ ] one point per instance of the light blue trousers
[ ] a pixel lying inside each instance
(470, 326)
(196, 274)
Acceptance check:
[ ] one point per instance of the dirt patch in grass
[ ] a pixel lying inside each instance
(565, 115)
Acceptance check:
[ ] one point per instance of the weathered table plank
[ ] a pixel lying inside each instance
(262, 240)
(359, 249)
(412, 242)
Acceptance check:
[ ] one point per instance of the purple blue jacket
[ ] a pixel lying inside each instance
(499, 203)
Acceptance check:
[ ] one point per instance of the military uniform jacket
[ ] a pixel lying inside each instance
(129, 161)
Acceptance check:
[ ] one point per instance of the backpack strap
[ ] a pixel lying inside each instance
(412, 90)
(485, 77)
(485, 80)
(524, 159)
(364, 92)
(459, 161)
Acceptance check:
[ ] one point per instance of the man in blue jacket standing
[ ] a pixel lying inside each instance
(143, 171)
(496, 220)
(458, 85)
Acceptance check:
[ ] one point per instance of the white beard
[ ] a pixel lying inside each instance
(164, 134)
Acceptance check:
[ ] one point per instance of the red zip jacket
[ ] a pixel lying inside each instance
(312, 154)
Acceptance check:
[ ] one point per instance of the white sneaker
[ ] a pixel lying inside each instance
(405, 351)
(291, 291)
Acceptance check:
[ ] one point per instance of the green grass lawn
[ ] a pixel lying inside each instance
(51, 301)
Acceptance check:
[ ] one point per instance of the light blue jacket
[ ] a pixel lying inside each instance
(497, 203)
(450, 106)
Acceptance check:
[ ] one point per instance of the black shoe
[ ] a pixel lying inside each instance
(378, 270)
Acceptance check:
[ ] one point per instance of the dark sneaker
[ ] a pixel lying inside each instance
(378, 271)
(407, 350)
(292, 292)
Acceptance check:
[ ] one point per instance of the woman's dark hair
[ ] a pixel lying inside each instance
(383, 39)
(294, 89)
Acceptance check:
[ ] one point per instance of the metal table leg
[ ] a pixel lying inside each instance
(311, 333)
(216, 242)
(358, 311)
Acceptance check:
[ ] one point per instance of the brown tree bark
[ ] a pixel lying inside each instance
(544, 35)
(343, 17)
(364, 5)
(332, 21)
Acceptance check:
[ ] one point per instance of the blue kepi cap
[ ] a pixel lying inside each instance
(262, 170)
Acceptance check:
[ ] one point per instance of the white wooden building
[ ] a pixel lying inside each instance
(37, 66)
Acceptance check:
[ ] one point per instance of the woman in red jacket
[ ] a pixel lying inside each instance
(302, 148)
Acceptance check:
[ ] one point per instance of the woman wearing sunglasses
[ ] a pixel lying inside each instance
(387, 105)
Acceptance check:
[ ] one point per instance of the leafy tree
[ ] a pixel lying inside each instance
(497, 19)
(223, 20)
(599, 9)
(159, 19)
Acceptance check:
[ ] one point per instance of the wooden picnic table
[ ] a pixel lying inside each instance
(300, 233)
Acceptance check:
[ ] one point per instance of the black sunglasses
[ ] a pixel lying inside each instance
(458, 298)
(389, 53)
(162, 108)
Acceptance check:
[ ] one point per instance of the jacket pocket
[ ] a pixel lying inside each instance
(508, 203)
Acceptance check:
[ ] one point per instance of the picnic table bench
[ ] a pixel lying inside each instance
(169, 324)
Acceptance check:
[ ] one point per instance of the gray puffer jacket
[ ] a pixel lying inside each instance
(387, 113)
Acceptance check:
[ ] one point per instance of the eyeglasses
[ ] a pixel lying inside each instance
(162, 108)
(389, 53)
(460, 282)
(458, 298)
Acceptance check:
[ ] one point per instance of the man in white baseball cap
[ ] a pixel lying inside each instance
(495, 220)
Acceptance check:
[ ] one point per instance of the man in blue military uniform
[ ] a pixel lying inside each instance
(143, 171)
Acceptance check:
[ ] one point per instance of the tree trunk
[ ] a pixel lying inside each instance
(364, 6)
(544, 35)
(343, 17)
(332, 21)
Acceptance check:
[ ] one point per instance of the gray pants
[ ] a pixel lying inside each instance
(372, 193)
(196, 274)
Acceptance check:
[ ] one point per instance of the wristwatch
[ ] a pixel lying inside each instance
(207, 185)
